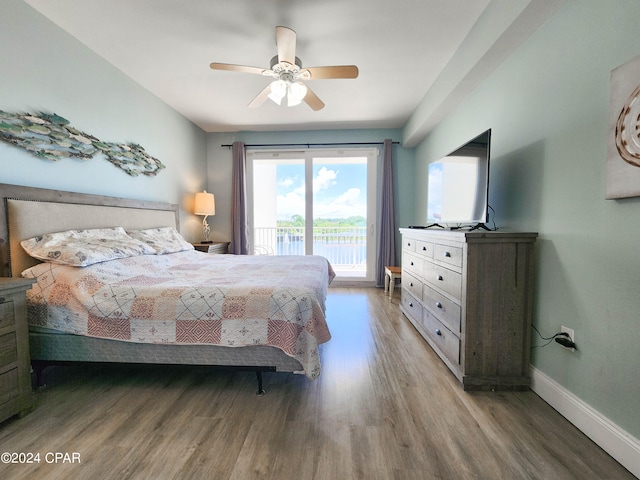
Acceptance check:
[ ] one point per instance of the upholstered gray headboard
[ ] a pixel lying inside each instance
(29, 211)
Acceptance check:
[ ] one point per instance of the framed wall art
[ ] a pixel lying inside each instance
(623, 157)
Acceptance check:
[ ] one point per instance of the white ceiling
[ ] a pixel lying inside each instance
(400, 47)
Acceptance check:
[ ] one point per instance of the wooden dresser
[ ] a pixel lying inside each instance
(469, 294)
(15, 369)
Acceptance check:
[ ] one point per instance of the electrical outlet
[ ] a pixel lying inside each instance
(569, 331)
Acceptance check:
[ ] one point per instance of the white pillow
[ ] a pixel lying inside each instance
(80, 248)
(162, 239)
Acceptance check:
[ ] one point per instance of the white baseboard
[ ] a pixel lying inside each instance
(610, 437)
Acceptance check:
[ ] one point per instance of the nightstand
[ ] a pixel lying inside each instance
(215, 247)
(15, 376)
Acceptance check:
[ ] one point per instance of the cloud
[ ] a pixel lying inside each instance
(349, 198)
(348, 204)
(326, 178)
(290, 204)
(287, 182)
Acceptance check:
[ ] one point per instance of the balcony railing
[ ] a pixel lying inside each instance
(344, 247)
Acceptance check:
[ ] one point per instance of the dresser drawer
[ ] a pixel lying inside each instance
(8, 385)
(15, 378)
(409, 244)
(6, 314)
(8, 348)
(412, 264)
(411, 306)
(412, 284)
(444, 279)
(424, 248)
(448, 254)
(446, 310)
(445, 339)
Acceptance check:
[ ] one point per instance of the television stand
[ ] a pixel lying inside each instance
(469, 296)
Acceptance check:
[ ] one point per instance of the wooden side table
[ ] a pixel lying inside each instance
(214, 247)
(15, 376)
(390, 275)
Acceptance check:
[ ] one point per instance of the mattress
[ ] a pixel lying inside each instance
(190, 298)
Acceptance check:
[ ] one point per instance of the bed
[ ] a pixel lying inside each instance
(178, 306)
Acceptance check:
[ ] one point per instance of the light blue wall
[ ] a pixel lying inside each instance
(220, 165)
(548, 108)
(42, 68)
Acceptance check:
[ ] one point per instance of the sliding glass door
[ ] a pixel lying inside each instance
(318, 202)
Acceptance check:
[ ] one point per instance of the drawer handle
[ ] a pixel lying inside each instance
(412, 264)
(447, 254)
(411, 284)
(411, 304)
(424, 249)
(440, 277)
(438, 305)
(408, 244)
(438, 332)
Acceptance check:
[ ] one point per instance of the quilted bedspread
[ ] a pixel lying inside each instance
(190, 298)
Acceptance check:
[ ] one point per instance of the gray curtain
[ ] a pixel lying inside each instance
(239, 222)
(387, 224)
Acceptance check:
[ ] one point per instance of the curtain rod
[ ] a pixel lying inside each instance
(308, 145)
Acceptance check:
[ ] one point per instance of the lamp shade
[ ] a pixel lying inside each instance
(296, 93)
(278, 91)
(293, 92)
(204, 204)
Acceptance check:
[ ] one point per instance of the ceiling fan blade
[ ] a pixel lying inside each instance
(313, 100)
(286, 43)
(336, 71)
(237, 68)
(260, 98)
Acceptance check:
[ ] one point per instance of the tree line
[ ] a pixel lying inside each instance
(298, 221)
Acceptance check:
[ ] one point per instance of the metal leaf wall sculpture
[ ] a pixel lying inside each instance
(50, 137)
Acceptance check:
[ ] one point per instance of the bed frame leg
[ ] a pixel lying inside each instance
(260, 392)
(38, 370)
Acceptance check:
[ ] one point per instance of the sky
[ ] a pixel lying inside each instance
(339, 190)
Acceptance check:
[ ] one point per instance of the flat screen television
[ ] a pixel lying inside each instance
(458, 188)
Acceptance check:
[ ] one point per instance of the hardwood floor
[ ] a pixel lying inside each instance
(384, 407)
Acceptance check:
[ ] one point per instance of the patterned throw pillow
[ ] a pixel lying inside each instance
(162, 240)
(80, 248)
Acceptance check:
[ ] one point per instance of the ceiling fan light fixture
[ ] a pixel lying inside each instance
(296, 93)
(278, 91)
(293, 92)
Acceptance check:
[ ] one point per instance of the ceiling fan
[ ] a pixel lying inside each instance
(288, 73)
